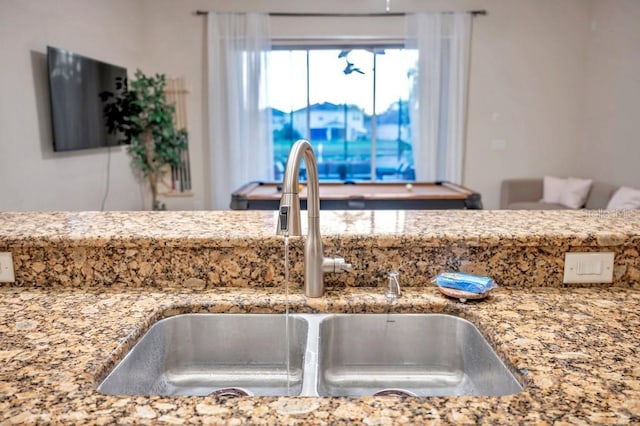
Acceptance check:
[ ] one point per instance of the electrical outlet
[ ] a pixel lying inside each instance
(6, 268)
(588, 267)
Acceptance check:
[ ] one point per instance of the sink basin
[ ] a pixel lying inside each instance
(420, 354)
(197, 354)
(328, 355)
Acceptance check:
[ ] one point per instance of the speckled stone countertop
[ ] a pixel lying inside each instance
(575, 350)
(388, 227)
(89, 284)
(240, 248)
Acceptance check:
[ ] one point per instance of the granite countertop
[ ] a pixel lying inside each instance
(88, 284)
(240, 249)
(387, 227)
(576, 351)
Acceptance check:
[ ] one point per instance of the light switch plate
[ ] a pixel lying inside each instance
(593, 267)
(6, 268)
(498, 145)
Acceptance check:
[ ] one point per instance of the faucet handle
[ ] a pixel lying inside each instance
(283, 221)
(335, 264)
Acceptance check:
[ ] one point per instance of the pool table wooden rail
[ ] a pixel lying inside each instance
(363, 196)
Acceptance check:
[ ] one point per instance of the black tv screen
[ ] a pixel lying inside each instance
(77, 112)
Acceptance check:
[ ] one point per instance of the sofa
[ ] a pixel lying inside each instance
(526, 194)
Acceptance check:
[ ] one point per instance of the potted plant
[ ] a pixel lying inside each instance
(142, 117)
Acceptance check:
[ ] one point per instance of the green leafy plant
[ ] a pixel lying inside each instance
(142, 118)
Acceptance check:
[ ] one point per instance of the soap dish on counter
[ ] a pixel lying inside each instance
(462, 295)
(464, 286)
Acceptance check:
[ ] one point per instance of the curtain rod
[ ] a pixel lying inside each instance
(348, 15)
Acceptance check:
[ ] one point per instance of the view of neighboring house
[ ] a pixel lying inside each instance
(336, 158)
(327, 122)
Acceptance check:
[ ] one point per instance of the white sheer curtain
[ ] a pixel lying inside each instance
(439, 93)
(239, 120)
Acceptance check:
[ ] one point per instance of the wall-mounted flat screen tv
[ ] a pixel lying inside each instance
(77, 112)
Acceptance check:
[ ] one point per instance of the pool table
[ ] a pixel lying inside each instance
(363, 196)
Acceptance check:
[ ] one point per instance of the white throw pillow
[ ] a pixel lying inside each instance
(625, 198)
(575, 192)
(552, 188)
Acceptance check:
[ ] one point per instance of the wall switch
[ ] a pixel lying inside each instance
(498, 145)
(6, 268)
(588, 267)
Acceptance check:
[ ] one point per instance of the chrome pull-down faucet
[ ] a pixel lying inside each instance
(315, 264)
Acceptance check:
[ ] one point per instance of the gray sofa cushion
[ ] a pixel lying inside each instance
(599, 195)
(535, 205)
(520, 190)
(525, 194)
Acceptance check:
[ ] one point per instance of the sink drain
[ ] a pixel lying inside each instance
(394, 392)
(230, 392)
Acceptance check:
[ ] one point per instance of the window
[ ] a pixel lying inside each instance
(352, 104)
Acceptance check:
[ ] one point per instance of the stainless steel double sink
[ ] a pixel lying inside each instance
(323, 355)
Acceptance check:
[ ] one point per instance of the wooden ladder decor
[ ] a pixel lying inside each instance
(175, 92)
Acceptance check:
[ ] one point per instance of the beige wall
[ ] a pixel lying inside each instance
(559, 82)
(32, 176)
(533, 84)
(609, 145)
(526, 89)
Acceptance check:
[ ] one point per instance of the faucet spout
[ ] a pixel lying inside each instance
(289, 216)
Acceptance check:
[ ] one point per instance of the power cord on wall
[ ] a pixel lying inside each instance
(106, 191)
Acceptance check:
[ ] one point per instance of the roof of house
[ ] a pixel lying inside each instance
(328, 106)
(277, 113)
